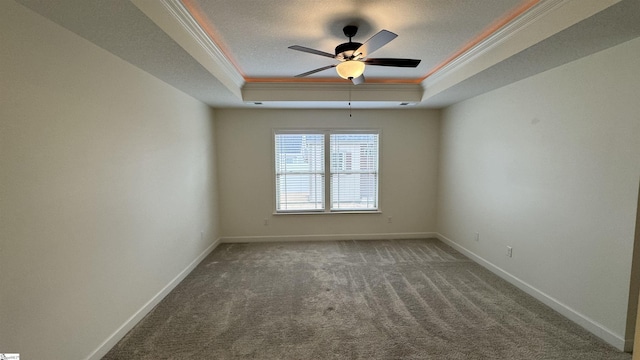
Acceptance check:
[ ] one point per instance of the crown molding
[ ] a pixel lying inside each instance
(180, 13)
(497, 38)
(543, 20)
(176, 21)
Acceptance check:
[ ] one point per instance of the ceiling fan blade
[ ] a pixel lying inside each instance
(359, 80)
(393, 62)
(315, 71)
(375, 42)
(311, 51)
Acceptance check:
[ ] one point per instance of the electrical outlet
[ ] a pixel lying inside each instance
(266, 221)
(389, 219)
(477, 237)
(509, 251)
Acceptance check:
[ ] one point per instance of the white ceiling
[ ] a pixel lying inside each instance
(222, 51)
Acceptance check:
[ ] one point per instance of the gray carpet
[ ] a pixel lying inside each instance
(402, 299)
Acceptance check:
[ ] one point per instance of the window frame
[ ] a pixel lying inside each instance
(327, 202)
(275, 172)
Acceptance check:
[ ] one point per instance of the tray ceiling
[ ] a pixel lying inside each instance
(233, 53)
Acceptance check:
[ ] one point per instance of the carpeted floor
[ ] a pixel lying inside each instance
(401, 299)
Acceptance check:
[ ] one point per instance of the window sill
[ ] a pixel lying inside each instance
(328, 212)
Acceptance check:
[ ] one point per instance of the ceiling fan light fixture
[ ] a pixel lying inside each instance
(350, 69)
(352, 56)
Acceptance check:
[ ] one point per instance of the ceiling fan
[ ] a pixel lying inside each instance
(353, 56)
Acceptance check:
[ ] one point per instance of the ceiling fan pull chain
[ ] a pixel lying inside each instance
(349, 101)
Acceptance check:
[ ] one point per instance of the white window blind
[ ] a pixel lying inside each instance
(314, 169)
(354, 171)
(299, 172)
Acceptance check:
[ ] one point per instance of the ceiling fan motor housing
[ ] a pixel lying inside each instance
(345, 51)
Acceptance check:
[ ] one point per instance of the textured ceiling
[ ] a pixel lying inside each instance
(257, 33)
(253, 37)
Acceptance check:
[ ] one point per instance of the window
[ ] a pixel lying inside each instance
(344, 162)
(354, 181)
(299, 172)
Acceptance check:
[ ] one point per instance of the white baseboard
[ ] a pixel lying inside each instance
(112, 340)
(580, 319)
(335, 237)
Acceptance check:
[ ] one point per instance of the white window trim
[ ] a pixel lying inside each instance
(327, 172)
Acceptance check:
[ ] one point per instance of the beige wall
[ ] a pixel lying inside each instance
(550, 166)
(409, 148)
(107, 180)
